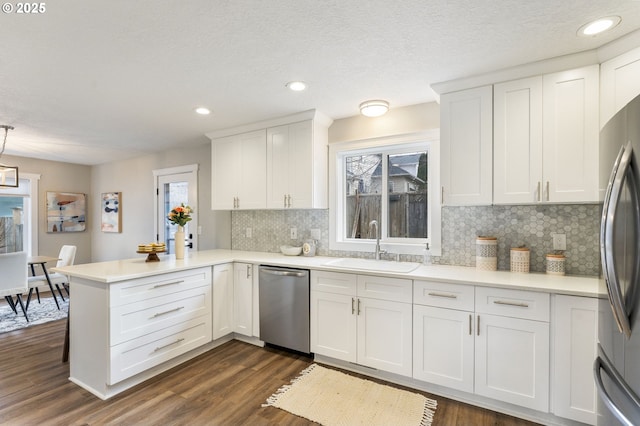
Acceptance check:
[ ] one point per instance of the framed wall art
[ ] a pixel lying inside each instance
(111, 212)
(66, 212)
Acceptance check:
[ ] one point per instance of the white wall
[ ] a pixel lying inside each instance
(398, 121)
(134, 178)
(62, 177)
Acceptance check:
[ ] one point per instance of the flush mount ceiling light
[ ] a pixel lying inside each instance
(374, 108)
(8, 174)
(203, 110)
(296, 86)
(598, 26)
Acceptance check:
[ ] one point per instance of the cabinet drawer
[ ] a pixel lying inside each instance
(392, 289)
(513, 303)
(135, 356)
(159, 285)
(147, 316)
(444, 295)
(334, 282)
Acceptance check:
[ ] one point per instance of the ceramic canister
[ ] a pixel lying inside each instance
(520, 259)
(487, 253)
(555, 264)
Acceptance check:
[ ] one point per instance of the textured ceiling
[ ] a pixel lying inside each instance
(95, 81)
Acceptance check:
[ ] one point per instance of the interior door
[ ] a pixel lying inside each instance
(174, 187)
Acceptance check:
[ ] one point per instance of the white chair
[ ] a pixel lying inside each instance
(14, 279)
(66, 257)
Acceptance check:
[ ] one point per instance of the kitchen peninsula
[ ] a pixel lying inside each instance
(131, 320)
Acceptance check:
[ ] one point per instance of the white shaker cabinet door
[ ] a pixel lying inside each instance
(243, 298)
(443, 342)
(512, 360)
(466, 124)
(619, 83)
(571, 135)
(333, 325)
(222, 300)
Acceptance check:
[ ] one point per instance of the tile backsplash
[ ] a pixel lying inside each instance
(514, 226)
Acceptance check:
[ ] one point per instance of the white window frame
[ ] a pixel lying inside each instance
(429, 140)
(30, 211)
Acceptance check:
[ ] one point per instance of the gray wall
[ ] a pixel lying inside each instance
(64, 177)
(134, 178)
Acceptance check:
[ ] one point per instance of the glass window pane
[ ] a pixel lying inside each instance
(11, 224)
(407, 185)
(363, 188)
(175, 193)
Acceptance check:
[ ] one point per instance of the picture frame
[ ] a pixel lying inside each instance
(111, 212)
(66, 211)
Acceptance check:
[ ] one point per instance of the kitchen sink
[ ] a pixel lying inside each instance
(372, 265)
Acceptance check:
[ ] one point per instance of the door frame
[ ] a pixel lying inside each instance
(193, 198)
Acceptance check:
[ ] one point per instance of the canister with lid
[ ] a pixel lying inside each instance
(520, 259)
(555, 264)
(487, 253)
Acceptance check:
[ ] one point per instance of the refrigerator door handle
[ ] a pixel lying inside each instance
(614, 190)
(603, 363)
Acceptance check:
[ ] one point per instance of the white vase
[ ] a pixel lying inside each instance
(179, 243)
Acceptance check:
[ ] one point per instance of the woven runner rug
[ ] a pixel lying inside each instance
(331, 398)
(38, 313)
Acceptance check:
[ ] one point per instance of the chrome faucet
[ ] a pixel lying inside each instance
(374, 223)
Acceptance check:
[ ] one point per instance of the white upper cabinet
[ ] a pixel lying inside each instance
(466, 147)
(546, 138)
(570, 135)
(297, 166)
(517, 141)
(238, 171)
(619, 83)
(276, 164)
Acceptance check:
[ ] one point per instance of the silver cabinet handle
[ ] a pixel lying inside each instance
(470, 324)
(353, 306)
(478, 326)
(248, 271)
(539, 191)
(518, 304)
(167, 284)
(611, 200)
(289, 200)
(358, 306)
(168, 344)
(442, 195)
(284, 201)
(159, 314)
(547, 190)
(448, 296)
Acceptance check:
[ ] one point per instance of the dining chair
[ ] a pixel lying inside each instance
(66, 257)
(14, 279)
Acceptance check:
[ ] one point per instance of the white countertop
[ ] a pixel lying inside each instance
(126, 269)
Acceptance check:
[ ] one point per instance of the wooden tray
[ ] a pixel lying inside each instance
(152, 255)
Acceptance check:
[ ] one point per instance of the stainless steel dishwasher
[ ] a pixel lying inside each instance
(284, 307)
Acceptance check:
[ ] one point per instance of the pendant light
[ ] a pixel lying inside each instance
(8, 174)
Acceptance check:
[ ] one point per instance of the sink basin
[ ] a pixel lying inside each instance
(372, 265)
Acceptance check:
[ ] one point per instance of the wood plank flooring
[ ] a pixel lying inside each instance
(225, 386)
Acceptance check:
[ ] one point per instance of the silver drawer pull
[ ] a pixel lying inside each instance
(518, 304)
(159, 348)
(167, 312)
(448, 296)
(166, 284)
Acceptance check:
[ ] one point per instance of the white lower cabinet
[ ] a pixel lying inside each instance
(575, 326)
(243, 298)
(372, 332)
(494, 344)
(222, 300)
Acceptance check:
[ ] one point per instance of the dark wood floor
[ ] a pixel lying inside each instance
(225, 386)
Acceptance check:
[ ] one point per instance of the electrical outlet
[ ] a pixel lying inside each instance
(199, 229)
(315, 234)
(247, 232)
(294, 233)
(559, 241)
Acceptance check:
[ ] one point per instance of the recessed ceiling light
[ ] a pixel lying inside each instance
(374, 108)
(598, 26)
(297, 86)
(203, 110)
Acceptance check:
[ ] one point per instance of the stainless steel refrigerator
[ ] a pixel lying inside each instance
(617, 367)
